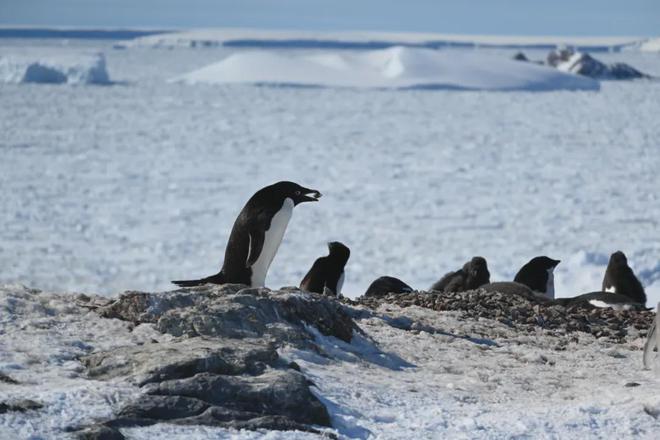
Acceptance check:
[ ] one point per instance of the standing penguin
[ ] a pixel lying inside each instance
(621, 279)
(621, 288)
(327, 272)
(473, 275)
(257, 234)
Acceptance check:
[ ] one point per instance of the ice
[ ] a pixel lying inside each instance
(69, 68)
(396, 67)
(298, 39)
(650, 45)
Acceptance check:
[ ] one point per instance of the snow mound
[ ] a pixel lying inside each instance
(396, 67)
(650, 45)
(66, 69)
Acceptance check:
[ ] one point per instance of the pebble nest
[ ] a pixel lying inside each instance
(525, 314)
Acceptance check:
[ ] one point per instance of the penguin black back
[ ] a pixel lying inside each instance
(327, 272)
(257, 233)
(537, 274)
(473, 275)
(384, 285)
(620, 278)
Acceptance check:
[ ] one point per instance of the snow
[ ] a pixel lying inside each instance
(650, 45)
(456, 387)
(106, 189)
(445, 378)
(396, 67)
(70, 68)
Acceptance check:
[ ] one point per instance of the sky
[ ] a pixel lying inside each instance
(501, 17)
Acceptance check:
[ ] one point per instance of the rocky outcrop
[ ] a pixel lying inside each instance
(584, 64)
(579, 63)
(19, 406)
(525, 313)
(218, 363)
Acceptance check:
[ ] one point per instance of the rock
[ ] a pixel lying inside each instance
(148, 363)
(234, 312)
(525, 312)
(219, 364)
(19, 406)
(568, 60)
(99, 432)
(276, 392)
(519, 56)
(6, 379)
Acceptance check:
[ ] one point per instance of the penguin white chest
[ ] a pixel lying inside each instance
(272, 239)
(550, 285)
(340, 282)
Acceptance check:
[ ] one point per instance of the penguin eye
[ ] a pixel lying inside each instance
(297, 193)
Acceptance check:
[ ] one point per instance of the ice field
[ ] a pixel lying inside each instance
(130, 185)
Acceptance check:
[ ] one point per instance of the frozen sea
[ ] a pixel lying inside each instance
(128, 186)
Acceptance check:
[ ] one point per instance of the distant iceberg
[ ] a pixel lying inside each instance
(397, 67)
(64, 69)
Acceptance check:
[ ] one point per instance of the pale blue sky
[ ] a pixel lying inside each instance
(531, 17)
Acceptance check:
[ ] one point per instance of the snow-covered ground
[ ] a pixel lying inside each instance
(449, 378)
(127, 187)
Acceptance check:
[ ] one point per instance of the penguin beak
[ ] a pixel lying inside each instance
(310, 195)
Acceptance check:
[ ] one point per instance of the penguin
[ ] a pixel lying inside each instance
(257, 234)
(538, 275)
(327, 273)
(535, 280)
(621, 288)
(602, 300)
(620, 278)
(652, 342)
(473, 275)
(384, 285)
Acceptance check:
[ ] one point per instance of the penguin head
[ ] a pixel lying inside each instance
(618, 259)
(295, 192)
(536, 272)
(477, 272)
(339, 251)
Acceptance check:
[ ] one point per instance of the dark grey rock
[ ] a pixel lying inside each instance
(235, 312)
(586, 65)
(219, 365)
(275, 392)
(99, 432)
(22, 405)
(181, 358)
(525, 311)
(7, 379)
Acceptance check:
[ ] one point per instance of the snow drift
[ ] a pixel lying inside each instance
(650, 45)
(66, 69)
(396, 67)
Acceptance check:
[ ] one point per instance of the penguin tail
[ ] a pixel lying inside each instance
(188, 283)
(218, 278)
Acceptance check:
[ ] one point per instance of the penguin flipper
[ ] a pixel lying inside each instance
(256, 246)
